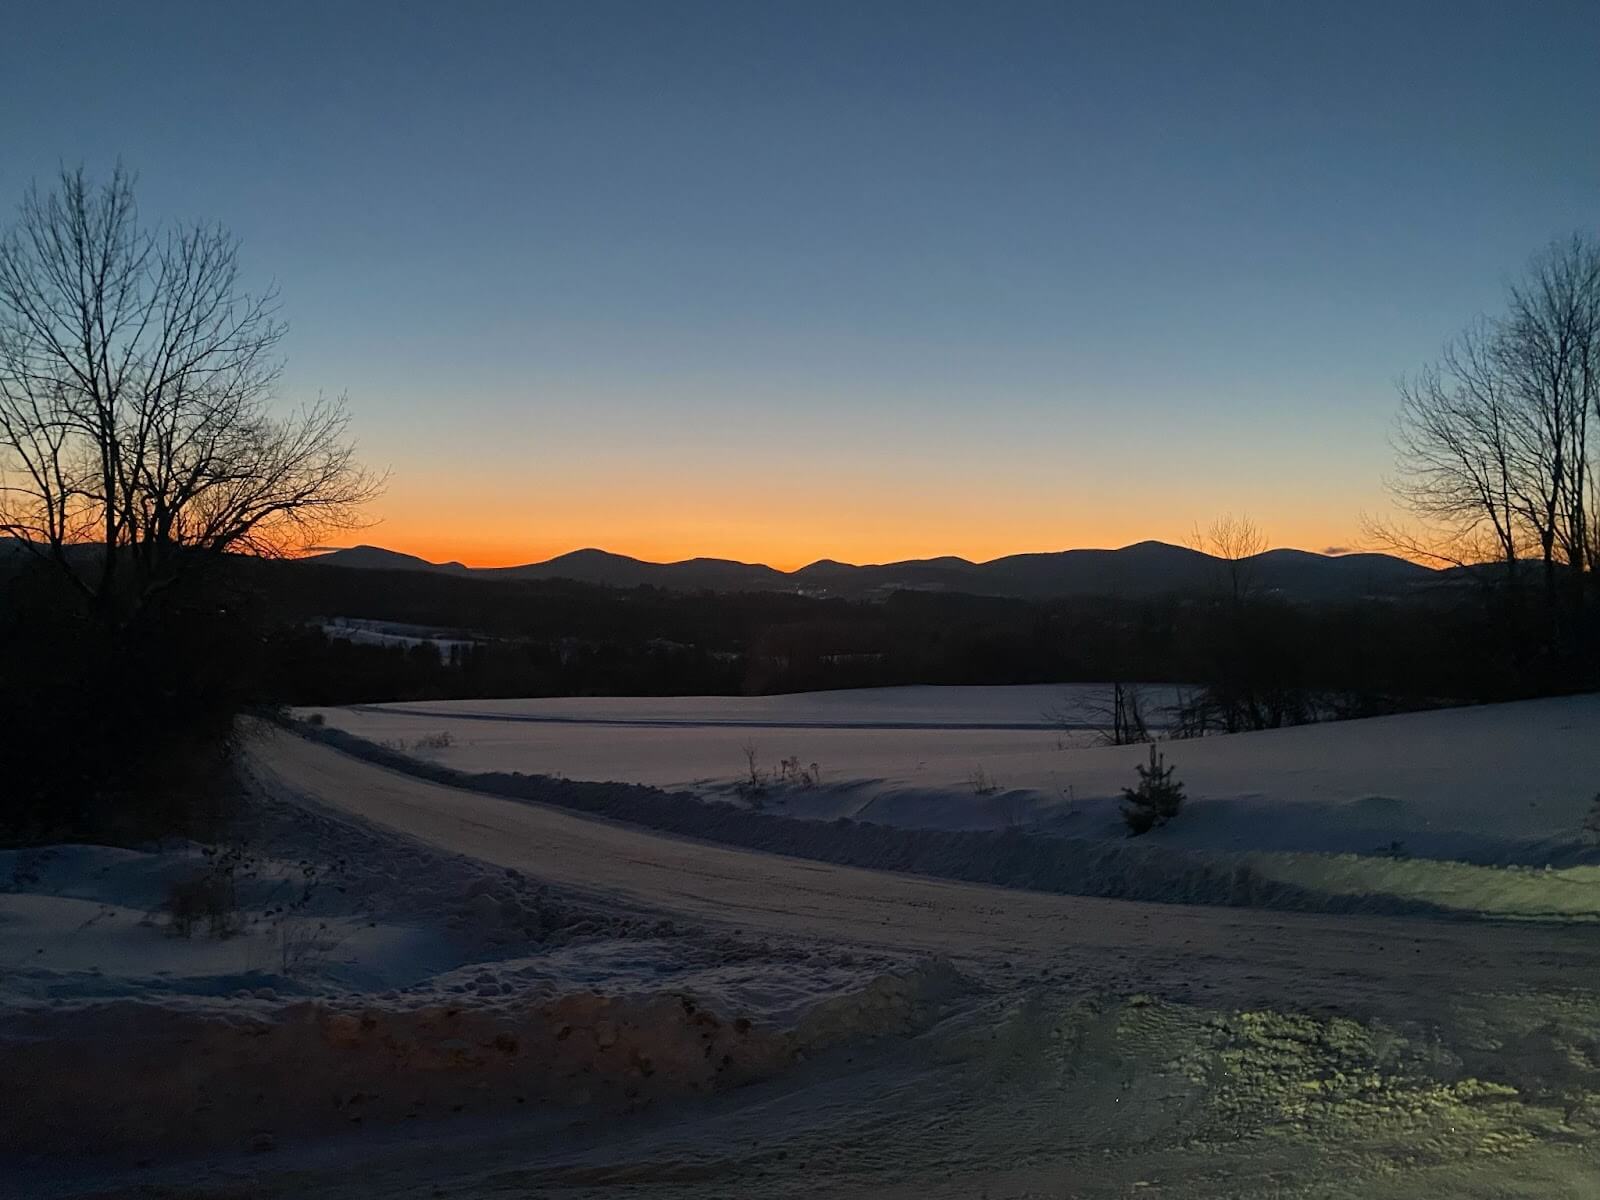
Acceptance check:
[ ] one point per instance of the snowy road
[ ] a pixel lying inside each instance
(1374, 966)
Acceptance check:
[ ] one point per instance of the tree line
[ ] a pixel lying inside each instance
(1255, 661)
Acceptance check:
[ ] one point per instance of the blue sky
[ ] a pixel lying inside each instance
(863, 280)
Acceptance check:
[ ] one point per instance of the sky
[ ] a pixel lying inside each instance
(779, 281)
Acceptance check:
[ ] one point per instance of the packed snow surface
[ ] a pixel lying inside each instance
(1507, 783)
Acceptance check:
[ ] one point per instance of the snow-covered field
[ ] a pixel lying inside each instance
(937, 736)
(1511, 783)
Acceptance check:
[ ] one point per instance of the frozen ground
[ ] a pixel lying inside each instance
(1510, 783)
(490, 998)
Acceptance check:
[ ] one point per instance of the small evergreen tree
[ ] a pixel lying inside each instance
(1156, 800)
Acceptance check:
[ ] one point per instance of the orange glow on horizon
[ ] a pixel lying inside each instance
(789, 520)
(474, 549)
(862, 487)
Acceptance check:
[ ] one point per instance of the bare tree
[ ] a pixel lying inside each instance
(1496, 442)
(1459, 444)
(138, 433)
(1244, 686)
(1551, 348)
(1122, 716)
(1237, 542)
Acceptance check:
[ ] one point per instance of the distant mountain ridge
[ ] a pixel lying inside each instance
(1144, 569)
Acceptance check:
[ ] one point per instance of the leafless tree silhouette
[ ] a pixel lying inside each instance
(1551, 353)
(1235, 541)
(1496, 444)
(1123, 720)
(138, 432)
(1459, 445)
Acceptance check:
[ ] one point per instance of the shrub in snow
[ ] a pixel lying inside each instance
(1156, 800)
(211, 897)
(795, 773)
(753, 787)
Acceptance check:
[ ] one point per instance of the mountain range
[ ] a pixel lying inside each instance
(1144, 569)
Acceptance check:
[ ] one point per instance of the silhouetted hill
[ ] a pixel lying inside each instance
(1294, 572)
(376, 558)
(618, 570)
(1143, 569)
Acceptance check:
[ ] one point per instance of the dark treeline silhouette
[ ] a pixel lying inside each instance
(116, 732)
(1261, 662)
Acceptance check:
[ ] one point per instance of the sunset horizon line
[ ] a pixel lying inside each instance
(435, 557)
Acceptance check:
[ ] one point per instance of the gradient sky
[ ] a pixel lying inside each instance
(865, 280)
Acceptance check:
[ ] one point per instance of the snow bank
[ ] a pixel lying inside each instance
(251, 1071)
(362, 977)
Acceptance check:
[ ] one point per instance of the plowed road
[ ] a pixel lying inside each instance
(1395, 966)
